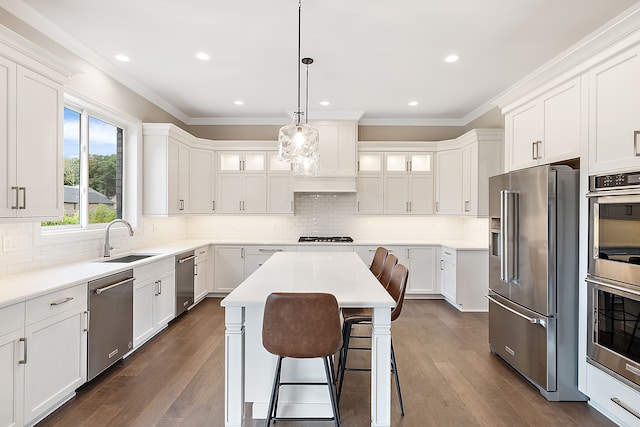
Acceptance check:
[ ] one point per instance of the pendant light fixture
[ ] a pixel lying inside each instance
(298, 141)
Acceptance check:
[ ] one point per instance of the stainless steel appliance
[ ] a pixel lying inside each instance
(185, 271)
(110, 331)
(614, 275)
(325, 239)
(533, 276)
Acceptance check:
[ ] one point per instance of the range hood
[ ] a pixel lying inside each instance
(324, 184)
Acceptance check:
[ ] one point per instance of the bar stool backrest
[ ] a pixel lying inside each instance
(301, 325)
(397, 287)
(378, 261)
(387, 268)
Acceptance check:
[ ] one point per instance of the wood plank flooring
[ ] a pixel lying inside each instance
(447, 374)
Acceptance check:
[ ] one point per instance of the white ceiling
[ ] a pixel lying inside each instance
(371, 56)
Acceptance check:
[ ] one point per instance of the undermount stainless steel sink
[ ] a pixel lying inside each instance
(129, 258)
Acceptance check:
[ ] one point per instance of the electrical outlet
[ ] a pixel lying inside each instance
(14, 243)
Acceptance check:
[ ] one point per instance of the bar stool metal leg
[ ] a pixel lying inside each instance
(332, 391)
(394, 367)
(274, 392)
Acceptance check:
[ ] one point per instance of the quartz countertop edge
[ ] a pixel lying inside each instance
(20, 287)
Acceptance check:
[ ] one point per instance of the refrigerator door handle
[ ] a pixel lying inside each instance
(509, 231)
(539, 321)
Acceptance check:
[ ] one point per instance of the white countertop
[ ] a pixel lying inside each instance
(454, 244)
(24, 286)
(342, 274)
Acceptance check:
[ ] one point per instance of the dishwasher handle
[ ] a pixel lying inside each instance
(183, 260)
(113, 285)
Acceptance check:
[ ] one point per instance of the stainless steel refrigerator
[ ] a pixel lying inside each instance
(533, 276)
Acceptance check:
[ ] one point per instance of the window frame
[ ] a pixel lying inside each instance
(131, 162)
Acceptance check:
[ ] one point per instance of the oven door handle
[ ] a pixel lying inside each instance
(540, 321)
(600, 285)
(120, 283)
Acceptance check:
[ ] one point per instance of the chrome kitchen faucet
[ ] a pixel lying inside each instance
(107, 246)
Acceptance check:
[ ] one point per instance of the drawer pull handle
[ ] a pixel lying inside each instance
(539, 321)
(269, 250)
(24, 361)
(613, 399)
(62, 301)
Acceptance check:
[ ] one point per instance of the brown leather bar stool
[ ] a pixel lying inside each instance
(352, 316)
(378, 261)
(390, 261)
(303, 326)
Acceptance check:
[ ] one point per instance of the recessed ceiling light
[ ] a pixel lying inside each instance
(123, 58)
(451, 58)
(203, 56)
(238, 102)
(413, 103)
(325, 103)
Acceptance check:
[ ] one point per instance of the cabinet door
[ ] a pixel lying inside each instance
(201, 180)
(280, 194)
(56, 363)
(561, 139)
(470, 179)
(449, 185)
(39, 156)
(448, 279)
(614, 113)
(370, 163)
(255, 194)
(143, 323)
(422, 270)
(254, 162)
(395, 163)
(230, 193)
(370, 194)
(421, 194)
(229, 266)
(12, 374)
(337, 148)
(7, 139)
(524, 130)
(164, 302)
(396, 190)
(420, 163)
(229, 162)
(201, 284)
(173, 173)
(184, 160)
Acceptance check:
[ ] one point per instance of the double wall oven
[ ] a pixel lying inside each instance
(614, 275)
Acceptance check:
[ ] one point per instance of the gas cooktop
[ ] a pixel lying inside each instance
(331, 239)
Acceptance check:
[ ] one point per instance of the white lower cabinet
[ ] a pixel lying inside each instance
(12, 347)
(256, 255)
(229, 267)
(202, 284)
(464, 278)
(337, 247)
(52, 352)
(154, 299)
(610, 396)
(421, 262)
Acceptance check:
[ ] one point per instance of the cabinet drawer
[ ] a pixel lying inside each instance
(266, 249)
(56, 302)
(153, 269)
(202, 253)
(448, 255)
(602, 387)
(11, 318)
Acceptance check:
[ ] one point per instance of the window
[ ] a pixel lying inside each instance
(93, 170)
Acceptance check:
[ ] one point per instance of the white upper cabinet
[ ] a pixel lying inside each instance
(242, 182)
(408, 183)
(614, 113)
(370, 183)
(279, 186)
(201, 180)
(31, 135)
(463, 171)
(546, 129)
(166, 176)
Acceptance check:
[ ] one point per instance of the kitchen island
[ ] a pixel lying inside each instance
(249, 368)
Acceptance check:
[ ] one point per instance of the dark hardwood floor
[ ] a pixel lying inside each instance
(447, 373)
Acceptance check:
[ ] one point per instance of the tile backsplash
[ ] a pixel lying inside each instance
(25, 247)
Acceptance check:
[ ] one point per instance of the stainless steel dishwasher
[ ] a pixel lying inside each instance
(110, 331)
(185, 271)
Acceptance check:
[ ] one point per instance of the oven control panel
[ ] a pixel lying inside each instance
(602, 182)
